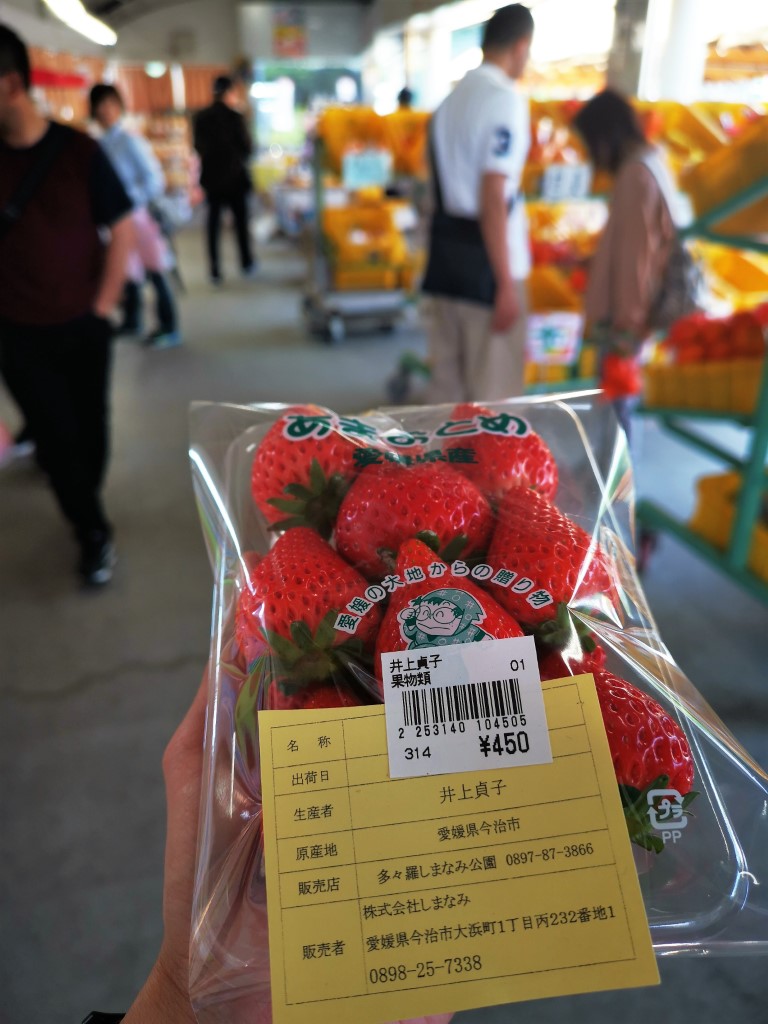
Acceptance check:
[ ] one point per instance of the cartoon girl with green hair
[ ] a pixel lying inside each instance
(441, 618)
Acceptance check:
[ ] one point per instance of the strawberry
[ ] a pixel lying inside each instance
(549, 553)
(566, 647)
(503, 460)
(289, 603)
(554, 664)
(391, 503)
(300, 481)
(645, 742)
(282, 694)
(319, 695)
(438, 610)
(649, 751)
(620, 376)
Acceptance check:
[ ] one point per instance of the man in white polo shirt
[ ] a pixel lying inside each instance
(479, 258)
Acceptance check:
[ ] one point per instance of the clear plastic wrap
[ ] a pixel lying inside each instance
(472, 472)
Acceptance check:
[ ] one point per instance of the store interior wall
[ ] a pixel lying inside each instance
(197, 32)
(333, 30)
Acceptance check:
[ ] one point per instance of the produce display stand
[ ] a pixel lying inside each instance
(732, 561)
(329, 311)
(705, 226)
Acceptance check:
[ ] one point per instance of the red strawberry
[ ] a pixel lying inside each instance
(290, 601)
(649, 752)
(320, 695)
(441, 609)
(391, 503)
(503, 460)
(548, 553)
(645, 742)
(300, 480)
(559, 664)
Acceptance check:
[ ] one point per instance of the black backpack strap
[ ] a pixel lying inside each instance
(52, 144)
(436, 186)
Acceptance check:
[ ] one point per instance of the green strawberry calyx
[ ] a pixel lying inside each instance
(310, 657)
(452, 549)
(250, 700)
(637, 813)
(315, 504)
(558, 633)
(295, 664)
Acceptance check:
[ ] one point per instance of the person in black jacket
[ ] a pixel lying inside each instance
(222, 140)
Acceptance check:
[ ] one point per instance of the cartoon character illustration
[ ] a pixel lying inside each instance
(441, 618)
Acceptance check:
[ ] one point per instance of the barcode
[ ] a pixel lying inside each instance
(462, 703)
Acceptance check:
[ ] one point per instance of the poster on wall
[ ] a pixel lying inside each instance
(289, 32)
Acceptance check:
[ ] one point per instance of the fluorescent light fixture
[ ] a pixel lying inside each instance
(75, 16)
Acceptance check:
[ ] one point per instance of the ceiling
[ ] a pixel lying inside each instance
(121, 12)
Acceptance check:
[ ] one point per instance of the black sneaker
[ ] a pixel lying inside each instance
(98, 558)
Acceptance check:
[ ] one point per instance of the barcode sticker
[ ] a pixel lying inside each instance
(464, 707)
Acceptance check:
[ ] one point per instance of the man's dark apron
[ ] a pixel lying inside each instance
(458, 265)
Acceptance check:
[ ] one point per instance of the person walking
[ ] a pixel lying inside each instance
(143, 179)
(65, 236)
(222, 140)
(629, 271)
(479, 255)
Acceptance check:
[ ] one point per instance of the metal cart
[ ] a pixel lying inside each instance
(328, 312)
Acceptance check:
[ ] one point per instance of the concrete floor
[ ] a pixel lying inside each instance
(94, 684)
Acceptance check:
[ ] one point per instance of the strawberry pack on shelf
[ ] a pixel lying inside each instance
(336, 539)
(710, 363)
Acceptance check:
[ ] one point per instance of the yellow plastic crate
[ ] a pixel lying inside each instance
(726, 172)
(342, 128)
(589, 361)
(714, 515)
(745, 272)
(363, 234)
(544, 373)
(407, 138)
(723, 387)
(549, 292)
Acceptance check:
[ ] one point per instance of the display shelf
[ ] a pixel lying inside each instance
(655, 518)
(555, 387)
(703, 227)
(733, 559)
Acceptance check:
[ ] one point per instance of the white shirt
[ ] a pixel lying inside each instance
(484, 127)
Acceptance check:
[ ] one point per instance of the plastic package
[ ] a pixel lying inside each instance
(473, 471)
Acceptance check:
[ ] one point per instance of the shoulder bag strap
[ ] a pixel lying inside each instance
(53, 144)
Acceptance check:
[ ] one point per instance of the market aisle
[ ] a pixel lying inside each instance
(93, 684)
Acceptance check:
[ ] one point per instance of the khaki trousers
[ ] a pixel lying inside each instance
(470, 362)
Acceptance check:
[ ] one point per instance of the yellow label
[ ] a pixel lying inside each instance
(392, 899)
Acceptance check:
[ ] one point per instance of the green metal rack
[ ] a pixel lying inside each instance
(733, 560)
(704, 227)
